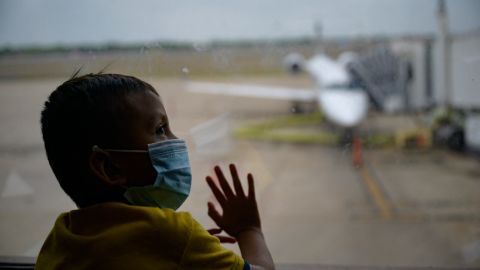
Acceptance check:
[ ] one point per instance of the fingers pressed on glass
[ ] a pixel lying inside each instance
(251, 186)
(236, 181)
(227, 190)
(214, 214)
(216, 191)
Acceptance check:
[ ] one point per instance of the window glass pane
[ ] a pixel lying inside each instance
(360, 120)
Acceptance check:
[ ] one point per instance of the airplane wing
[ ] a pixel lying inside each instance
(256, 91)
(344, 107)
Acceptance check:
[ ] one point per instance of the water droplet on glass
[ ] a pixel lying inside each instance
(92, 55)
(199, 47)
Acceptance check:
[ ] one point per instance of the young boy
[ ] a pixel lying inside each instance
(109, 143)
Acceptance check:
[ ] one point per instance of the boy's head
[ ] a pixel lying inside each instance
(111, 111)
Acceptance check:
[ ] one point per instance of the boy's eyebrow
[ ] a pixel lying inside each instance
(154, 119)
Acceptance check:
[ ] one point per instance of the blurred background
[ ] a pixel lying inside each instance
(359, 119)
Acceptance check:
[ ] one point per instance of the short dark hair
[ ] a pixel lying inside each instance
(82, 112)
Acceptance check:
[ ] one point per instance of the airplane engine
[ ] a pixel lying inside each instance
(294, 63)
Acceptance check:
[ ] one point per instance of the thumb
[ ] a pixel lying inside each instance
(213, 213)
(226, 239)
(214, 231)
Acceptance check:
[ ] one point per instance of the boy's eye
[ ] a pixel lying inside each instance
(161, 130)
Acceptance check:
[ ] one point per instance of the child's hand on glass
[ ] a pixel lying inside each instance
(239, 210)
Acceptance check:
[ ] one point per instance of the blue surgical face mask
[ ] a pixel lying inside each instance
(174, 178)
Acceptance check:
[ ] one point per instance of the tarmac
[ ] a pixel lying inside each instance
(402, 208)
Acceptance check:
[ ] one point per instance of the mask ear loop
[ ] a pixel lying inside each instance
(95, 148)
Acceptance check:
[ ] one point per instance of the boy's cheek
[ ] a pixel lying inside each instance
(171, 135)
(139, 171)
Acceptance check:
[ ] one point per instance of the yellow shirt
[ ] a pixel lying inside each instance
(121, 236)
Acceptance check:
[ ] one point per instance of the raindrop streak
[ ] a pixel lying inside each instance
(93, 56)
(199, 47)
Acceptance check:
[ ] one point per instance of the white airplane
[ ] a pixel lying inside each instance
(343, 106)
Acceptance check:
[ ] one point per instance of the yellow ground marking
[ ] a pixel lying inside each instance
(377, 195)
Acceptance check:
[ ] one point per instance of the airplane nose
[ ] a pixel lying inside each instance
(345, 107)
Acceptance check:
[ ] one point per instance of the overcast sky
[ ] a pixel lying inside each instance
(49, 22)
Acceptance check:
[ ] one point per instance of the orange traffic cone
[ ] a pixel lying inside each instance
(357, 156)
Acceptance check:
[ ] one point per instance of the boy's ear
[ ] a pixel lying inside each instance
(103, 167)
